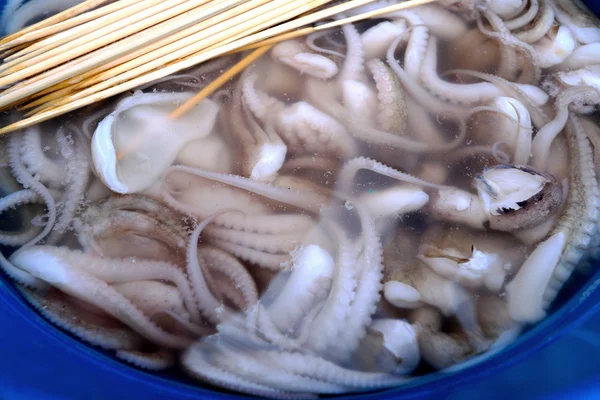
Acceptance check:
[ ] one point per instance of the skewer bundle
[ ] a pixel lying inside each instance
(99, 48)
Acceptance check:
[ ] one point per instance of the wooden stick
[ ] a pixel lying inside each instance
(75, 67)
(66, 87)
(340, 22)
(62, 89)
(186, 63)
(53, 97)
(236, 25)
(204, 38)
(13, 50)
(211, 36)
(62, 16)
(138, 40)
(71, 88)
(175, 42)
(215, 51)
(160, 12)
(78, 31)
(69, 23)
(220, 81)
(66, 67)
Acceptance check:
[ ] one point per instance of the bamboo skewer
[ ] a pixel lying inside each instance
(78, 66)
(207, 91)
(220, 81)
(94, 76)
(170, 53)
(20, 85)
(111, 33)
(189, 61)
(260, 29)
(130, 74)
(43, 105)
(73, 85)
(13, 50)
(202, 14)
(73, 36)
(71, 69)
(180, 55)
(72, 22)
(182, 39)
(334, 24)
(63, 16)
(333, 11)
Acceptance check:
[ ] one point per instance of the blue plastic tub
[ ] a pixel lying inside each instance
(39, 361)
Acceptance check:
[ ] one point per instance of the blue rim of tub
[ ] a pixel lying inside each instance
(580, 306)
(576, 309)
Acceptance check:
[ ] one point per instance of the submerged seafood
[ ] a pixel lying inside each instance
(357, 204)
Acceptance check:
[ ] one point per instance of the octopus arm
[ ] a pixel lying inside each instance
(152, 296)
(21, 197)
(267, 224)
(159, 360)
(555, 48)
(37, 162)
(312, 270)
(411, 84)
(369, 286)
(273, 262)
(532, 99)
(86, 326)
(262, 150)
(415, 52)
(83, 285)
(392, 108)
(312, 366)
(349, 170)
(266, 332)
(103, 226)
(332, 318)
(541, 25)
(378, 38)
(532, 72)
(542, 141)
(115, 271)
(582, 212)
(463, 93)
(525, 18)
(78, 171)
(29, 182)
(305, 128)
(353, 68)
(582, 56)
(292, 197)
(526, 291)
(210, 306)
(280, 243)
(227, 264)
(441, 22)
(296, 55)
(574, 15)
(198, 360)
(255, 369)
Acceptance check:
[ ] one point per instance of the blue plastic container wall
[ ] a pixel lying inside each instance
(41, 362)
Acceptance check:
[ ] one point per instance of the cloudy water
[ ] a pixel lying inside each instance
(358, 208)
